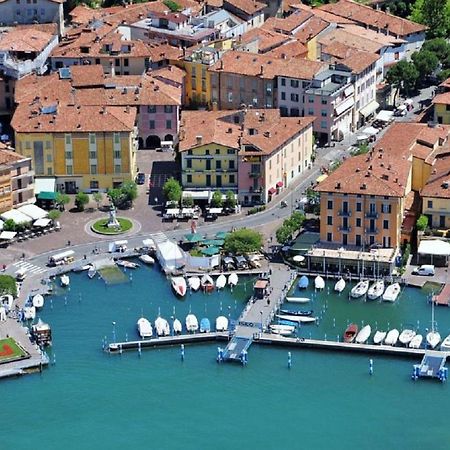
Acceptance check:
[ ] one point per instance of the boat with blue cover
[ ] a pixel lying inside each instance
(297, 313)
(303, 282)
(205, 326)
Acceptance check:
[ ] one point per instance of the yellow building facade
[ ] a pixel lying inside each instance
(6, 201)
(442, 110)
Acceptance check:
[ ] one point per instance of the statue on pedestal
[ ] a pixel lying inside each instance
(112, 221)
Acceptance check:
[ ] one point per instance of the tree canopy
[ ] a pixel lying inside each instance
(230, 201)
(9, 225)
(243, 241)
(422, 223)
(425, 61)
(216, 200)
(402, 77)
(435, 14)
(283, 235)
(8, 285)
(172, 190)
(81, 200)
(188, 201)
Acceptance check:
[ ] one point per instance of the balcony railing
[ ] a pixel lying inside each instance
(254, 174)
(344, 213)
(372, 215)
(372, 230)
(345, 228)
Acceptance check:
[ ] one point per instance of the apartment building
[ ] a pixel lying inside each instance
(441, 104)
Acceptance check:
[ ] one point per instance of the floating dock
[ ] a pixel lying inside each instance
(432, 366)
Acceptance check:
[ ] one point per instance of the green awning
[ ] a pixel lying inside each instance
(193, 237)
(210, 251)
(46, 195)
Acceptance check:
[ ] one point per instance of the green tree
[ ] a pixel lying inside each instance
(297, 218)
(426, 62)
(54, 214)
(62, 200)
(81, 200)
(187, 201)
(173, 6)
(115, 195)
(422, 223)
(444, 75)
(243, 241)
(230, 200)
(129, 191)
(283, 234)
(312, 196)
(439, 46)
(435, 14)
(290, 224)
(216, 200)
(172, 190)
(8, 285)
(98, 198)
(9, 225)
(402, 77)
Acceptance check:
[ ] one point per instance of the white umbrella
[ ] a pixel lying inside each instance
(298, 258)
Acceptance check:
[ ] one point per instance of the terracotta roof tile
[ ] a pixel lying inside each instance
(442, 99)
(438, 185)
(24, 40)
(88, 75)
(350, 40)
(329, 17)
(8, 156)
(267, 39)
(247, 6)
(358, 61)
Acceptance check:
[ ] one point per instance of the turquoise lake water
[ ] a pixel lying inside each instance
(92, 400)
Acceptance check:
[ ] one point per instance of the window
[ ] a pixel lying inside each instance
(92, 138)
(231, 164)
(230, 97)
(358, 207)
(294, 83)
(151, 124)
(117, 168)
(329, 237)
(358, 240)
(49, 158)
(310, 99)
(430, 204)
(189, 163)
(230, 151)
(151, 109)
(49, 171)
(283, 96)
(117, 154)
(27, 145)
(208, 180)
(69, 170)
(217, 151)
(169, 124)
(68, 139)
(117, 62)
(385, 224)
(323, 124)
(116, 138)
(323, 113)
(329, 220)
(218, 164)
(358, 221)
(219, 180)
(93, 169)
(189, 178)
(208, 164)
(294, 97)
(168, 109)
(386, 208)
(125, 62)
(93, 184)
(189, 152)
(68, 155)
(330, 204)
(310, 112)
(283, 80)
(92, 155)
(231, 179)
(324, 101)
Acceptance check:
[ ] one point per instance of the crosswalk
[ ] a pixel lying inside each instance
(28, 267)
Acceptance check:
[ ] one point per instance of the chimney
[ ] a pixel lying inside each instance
(199, 139)
(338, 185)
(262, 70)
(127, 109)
(267, 134)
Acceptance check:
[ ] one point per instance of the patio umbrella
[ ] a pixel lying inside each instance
(298, 258)
(192, 237)
(215, 242)
(222, 234)
(210, 251)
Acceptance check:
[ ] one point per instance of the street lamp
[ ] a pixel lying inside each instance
(261, 321)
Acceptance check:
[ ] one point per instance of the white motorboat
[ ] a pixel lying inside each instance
(283, 330)
(179, 285)
(376, 290)
(392, 337)
(298, 299)
(194, 283)
(433, 339)
(340, 285)
(233, 279)
(38, 301)
(299, 319)
(144, 328)
(445, 346)
(82, 268)
(363, 335)
(379, 337)
(162, 327)
(416, 341)
(127, 264)
(392, 292)
(191, 323)
(92, 272)
(64, 280)
(406, 336)
(177, 327)
(319, 283)
(221, 323)
(207, 283)
(147, 259)
(7, 301)
(221, 281)
(29, 312)
(360, 289)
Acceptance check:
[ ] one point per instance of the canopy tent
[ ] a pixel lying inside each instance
(41, 223)
(385, 116)
(1, 224)
(7, 235)
(210, 251)
(170, 256)
(46, 195)
(434, 247)
(193, 237)
(33, 211)
(369, 109)
(197, 195)
(371, 131)
(215, 210)
(16, 216)
(322, 177)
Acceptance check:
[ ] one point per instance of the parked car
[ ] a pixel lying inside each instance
(241, 262)
(426, 270)
(140, 178)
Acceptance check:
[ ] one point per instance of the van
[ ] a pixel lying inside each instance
(426, 270)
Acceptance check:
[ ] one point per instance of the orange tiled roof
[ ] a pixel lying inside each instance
(331, 18)
(24, 40)
(350, 40)
(438, 185)
(291, 49)
(445, 84)
(247, 6)
(442, 99)
(267, 39)
(87, 75)
(7, 156)
(358, 61)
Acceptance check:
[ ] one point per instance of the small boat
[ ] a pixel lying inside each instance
(82, 268)
(92, 272)
(298, 299)
(433, 339)
(392, 337)
(194, 283)
(221, 281)
(319, 283)
(340, 285)
(233, 279)
(283, 330)
(221, 323)
(179, 285)
(299, 319)
(363, 335)
(350, 333)
(127, 264)
(42, 333)
(7, 301)
(144, 328)
(406, 336)
(147, 259)
(297, 313)
(162, 327)
(303, 283)
(205, 326)
(378, 337)
(391, 293)
(360, 289)
(191, 323)
(445, 346)
(177, 327)
(29, 312)
(38, 301)
(416, 341)
(376, 290)
(64, 280)
(207, 283)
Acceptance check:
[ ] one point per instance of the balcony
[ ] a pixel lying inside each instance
(254, 174)
(371, 215)
(343, 213)
(344, 228)
(372, 230)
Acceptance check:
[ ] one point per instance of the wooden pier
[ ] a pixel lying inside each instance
(443, 298)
